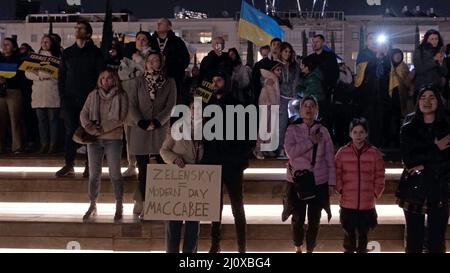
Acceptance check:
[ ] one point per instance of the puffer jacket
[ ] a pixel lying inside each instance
(299, 150)
(45, 88)
(359, 176)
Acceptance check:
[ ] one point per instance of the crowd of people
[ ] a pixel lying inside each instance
(127, 96)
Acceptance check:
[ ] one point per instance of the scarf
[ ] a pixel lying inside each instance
(154, 80)
(114, 109)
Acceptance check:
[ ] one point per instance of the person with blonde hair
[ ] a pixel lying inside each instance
(103, 116)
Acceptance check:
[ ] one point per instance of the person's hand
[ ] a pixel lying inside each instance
(416, 169)
(179, 162)
(439, 57)
(444, 143)
(315, 138)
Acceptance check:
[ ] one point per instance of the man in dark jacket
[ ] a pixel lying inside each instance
(233, 156)
(372, 81)
(174, 50)
(215, 61)
(326, 62)
(78, 73)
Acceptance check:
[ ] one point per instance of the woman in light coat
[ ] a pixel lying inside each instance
(45, 98)
(149, 112)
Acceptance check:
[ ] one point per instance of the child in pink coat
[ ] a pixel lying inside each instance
(360, 182)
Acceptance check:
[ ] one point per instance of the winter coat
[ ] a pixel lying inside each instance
(129, 72)
(45, 89)
(418, 148)
(141, 107)
(176, 54)
(311, 84)
(213, 63)
(191, 151)
(233, 154)
(400, 78)
(78, 72)
(110, 129)
(326, 62)
(428, 71)
(299, 150)
(270, 94)
(359, 176)
(241, 83)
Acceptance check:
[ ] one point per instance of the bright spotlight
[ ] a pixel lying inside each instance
(381, 39)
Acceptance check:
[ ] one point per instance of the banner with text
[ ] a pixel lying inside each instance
(191, 193)
(35, 62)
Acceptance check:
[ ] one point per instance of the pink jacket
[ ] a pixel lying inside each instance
(359, 176)
(299, 149)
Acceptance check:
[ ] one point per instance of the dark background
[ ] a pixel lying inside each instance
(217, 8)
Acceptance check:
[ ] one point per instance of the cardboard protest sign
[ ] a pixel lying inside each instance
(205, 91)
(8, 70)
(36, 62)
(191, 193)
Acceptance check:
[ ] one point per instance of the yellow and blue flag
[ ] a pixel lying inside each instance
(258, 27)
(8, 70)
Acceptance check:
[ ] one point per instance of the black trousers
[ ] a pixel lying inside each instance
(232, 178)
(313, 209)
(434, 233)
(356, 225)
(71, 115)
(142, 162)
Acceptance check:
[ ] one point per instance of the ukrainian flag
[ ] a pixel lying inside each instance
(257, 27)
(8, 70)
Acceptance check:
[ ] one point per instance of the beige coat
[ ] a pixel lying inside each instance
(190, 150)
(141, 107)
(111, 129)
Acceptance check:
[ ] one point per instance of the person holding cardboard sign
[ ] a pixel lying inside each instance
(45, 98)
(180, 153)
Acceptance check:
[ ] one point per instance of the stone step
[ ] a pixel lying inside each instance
(58, 161)
(42, 187)
(53, 226)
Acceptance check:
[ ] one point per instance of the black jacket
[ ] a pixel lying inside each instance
(418, 148)
(78, 72)
(213, 63)
(17, 81)
(176, 53)
(327, 64)
(234, 154)
(428, 71)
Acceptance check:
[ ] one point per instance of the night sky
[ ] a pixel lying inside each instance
(216, 8)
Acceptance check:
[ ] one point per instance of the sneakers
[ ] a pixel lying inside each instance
(130, 172)
(66, 171)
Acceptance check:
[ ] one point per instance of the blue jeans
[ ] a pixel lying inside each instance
(48, 125)
(113, 151)
(173, 236)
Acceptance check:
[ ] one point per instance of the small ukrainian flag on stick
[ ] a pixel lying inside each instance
(258, 27)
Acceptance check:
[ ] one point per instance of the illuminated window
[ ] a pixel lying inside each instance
(408, 58)
(354, 55)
